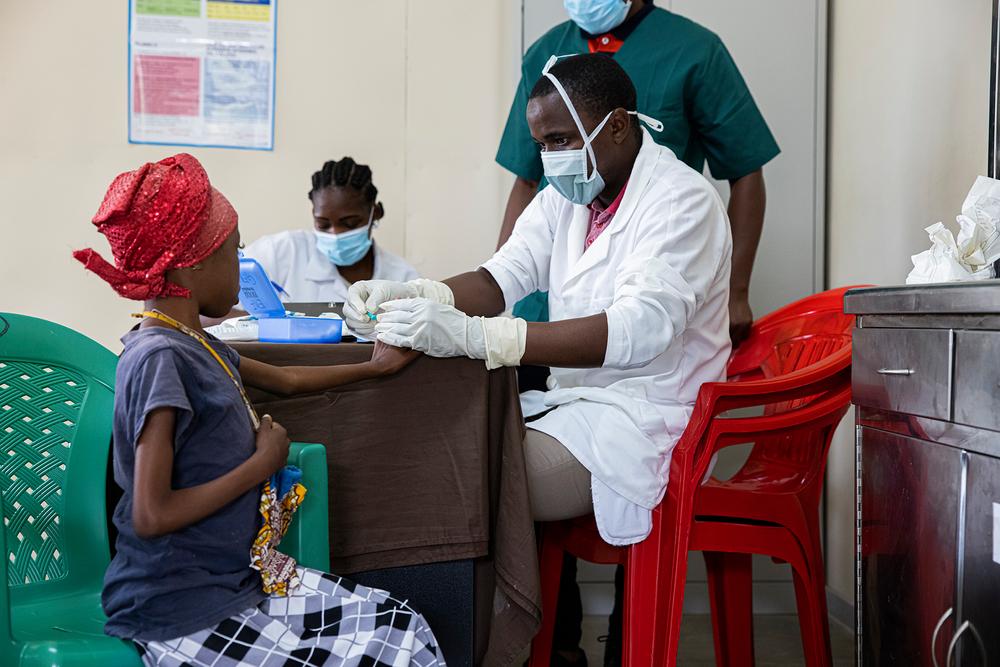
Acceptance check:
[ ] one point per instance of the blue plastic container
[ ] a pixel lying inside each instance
(260, 299)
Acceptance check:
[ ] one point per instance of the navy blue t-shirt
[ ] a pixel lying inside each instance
(186, 581)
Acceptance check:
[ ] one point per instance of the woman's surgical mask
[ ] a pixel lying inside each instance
(347, 248)
(566, 171)
(597, 16)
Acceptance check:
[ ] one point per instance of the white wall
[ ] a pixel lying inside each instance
(909, 84)
(395, 84)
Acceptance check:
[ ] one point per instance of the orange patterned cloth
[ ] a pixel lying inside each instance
(277, 570)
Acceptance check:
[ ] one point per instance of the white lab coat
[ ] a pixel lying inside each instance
(661, 273)
(292, 260)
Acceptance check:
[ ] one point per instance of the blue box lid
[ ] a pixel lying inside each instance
(257, 293)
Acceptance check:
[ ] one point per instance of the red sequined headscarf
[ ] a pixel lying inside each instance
(162, 216)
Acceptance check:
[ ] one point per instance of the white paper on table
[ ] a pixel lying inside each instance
(971, 254)
(982, 208)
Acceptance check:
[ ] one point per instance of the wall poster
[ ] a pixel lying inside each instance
(201, 73)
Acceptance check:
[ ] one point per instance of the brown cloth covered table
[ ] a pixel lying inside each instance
(425, 466)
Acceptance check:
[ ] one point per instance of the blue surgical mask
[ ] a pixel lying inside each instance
(597, 16)
(566, 171)
(347, 248)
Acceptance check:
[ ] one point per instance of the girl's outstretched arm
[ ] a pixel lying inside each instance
(286, 380)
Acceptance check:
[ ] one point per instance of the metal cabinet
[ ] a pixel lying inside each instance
(909, 546)
(926, 373)
(903, 370)
(977, 362)
(980, 569)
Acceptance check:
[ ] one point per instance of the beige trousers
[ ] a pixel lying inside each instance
(558, 484)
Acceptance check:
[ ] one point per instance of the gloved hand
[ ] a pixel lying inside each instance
(367, 296)
(441, 330)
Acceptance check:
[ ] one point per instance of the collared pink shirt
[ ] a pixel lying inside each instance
(601, 218)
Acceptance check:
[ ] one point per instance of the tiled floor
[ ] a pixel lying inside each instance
(776, 642)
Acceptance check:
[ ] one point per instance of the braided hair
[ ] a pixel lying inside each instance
(345, 173)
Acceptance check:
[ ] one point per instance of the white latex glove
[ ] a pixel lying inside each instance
(367, 296)
(441, 330)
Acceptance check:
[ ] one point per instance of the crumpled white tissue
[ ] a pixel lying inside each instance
(970, 255)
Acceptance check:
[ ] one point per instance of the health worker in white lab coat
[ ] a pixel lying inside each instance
(320, 264)
(635, 256)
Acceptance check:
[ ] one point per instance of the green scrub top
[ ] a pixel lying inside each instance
(683, 76)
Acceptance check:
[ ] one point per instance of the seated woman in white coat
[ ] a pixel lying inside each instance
(633, 247)
(320, 264)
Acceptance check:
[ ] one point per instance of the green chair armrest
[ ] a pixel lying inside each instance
(71, 651)
(308, 538)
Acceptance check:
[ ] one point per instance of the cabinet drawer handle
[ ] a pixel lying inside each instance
(895, 371)
(954, 641)
(934, 637)
(975, 635)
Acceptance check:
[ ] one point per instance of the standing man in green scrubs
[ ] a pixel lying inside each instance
(685, 78)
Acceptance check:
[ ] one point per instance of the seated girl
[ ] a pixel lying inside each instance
(191, 455)
(319, 265)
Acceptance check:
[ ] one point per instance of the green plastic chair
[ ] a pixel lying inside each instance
(56, 400)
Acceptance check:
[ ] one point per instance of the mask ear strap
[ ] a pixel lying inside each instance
(550, 62)
(654, 124)
(576, 117)
(372, 222)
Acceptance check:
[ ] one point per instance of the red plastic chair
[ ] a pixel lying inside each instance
(795, 369)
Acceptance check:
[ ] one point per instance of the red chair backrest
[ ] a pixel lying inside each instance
(804, 334)
(794, 337)
(796, 355)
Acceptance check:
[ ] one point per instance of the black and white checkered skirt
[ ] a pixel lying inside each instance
(326, 620)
